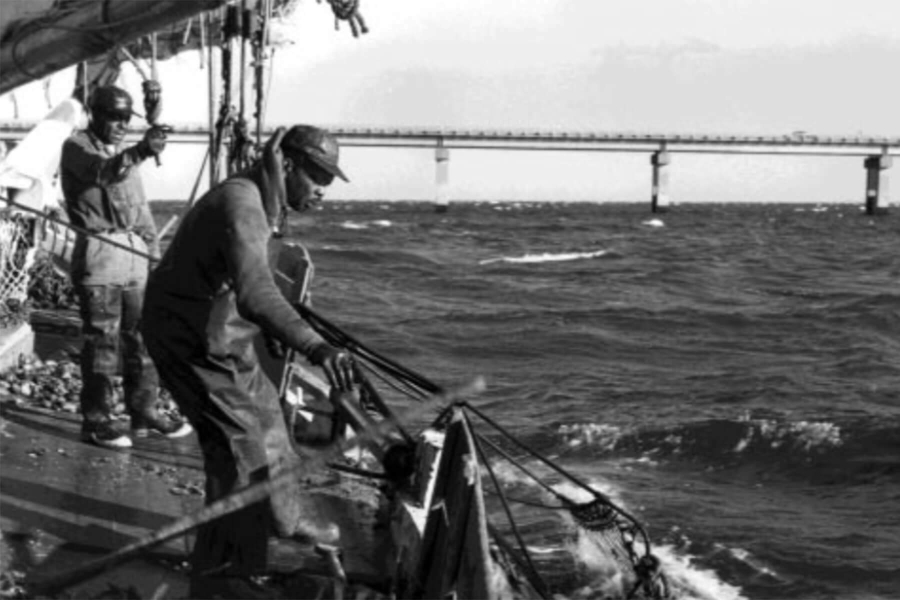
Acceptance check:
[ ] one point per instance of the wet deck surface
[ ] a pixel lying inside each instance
(63, 501)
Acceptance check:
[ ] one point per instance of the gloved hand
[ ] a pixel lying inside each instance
(154, 141)
(337, 364)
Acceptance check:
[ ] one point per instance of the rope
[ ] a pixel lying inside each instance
(400, 387)
(260, 41)
(134, 62)
(371, 397)
(78, 229)
(522, 468)
(337, 337)
(357, 471)
(531, 503)
(605, 499)
(534, 577)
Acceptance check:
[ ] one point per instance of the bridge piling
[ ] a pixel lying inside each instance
(441, 177)
(876, 181)
(659, 194)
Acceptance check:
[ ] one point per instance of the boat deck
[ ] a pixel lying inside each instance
(63, 501)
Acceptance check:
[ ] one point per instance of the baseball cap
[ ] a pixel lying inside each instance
(317, 144)
(111, 101)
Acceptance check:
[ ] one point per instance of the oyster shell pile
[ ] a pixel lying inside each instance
(56, 385)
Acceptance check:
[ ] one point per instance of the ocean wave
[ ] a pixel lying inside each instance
(357, 225)
(600, 574)
(859, 451)
(545, 257)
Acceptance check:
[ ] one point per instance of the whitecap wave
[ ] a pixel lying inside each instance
(598, 435)
(359, 225)
(803, 435)
(545, 257)
(353, 225)
(690, 582)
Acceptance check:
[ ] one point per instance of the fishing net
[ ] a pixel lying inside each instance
(599, 523)
(16, 257)
(616, 537)
(615, 534)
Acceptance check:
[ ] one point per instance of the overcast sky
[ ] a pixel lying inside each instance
(690, 66)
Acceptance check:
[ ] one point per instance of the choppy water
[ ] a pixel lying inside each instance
(729, 373)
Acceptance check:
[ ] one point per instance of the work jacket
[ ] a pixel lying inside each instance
(215, 285)
(105, 195)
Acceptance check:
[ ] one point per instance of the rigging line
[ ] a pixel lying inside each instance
(269, 83)
(262, 99)
(387, 369)
(377, 366)
(24, 30)
(546, 461)
(243, 17)
(78, 229)
(535, 580)
(401, 389)
(199, 176)
(353, 344)
(153, 71)
(521, 467)
(531, 503)
(375, 398)
(506, 509)
(134, 61)
(358, 471)
(597, 494)
(185, 38)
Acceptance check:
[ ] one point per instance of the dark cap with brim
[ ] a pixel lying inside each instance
(111, 100)
(317, 144)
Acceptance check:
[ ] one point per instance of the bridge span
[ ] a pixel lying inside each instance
(877, 151)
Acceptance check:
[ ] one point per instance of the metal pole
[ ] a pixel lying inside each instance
(211, 91)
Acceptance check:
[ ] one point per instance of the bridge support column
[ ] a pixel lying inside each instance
(876, 181)
(659, 194)
(441, 178)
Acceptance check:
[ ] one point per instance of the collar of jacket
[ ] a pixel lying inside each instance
(97, 143)
(274, 196)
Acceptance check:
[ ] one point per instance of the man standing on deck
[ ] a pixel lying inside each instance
(210, 296)
(105, 196)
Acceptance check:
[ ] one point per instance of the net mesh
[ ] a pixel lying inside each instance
(17, 252)
(616, 538)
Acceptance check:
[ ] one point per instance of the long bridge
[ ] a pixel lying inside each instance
(877, 151)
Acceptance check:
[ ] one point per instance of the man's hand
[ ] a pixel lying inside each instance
(337, 364)
(154, 141)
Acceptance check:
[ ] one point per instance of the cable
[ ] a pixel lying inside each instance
(512, 522)
(78, 229)
(598, 495)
